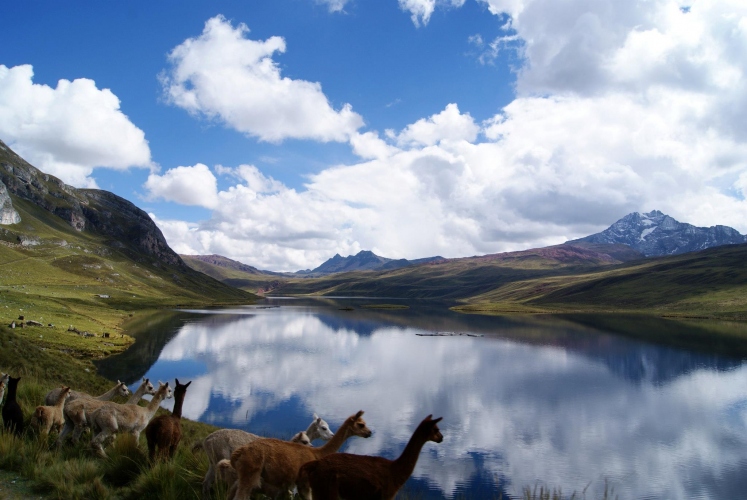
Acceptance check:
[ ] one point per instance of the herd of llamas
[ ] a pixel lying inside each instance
(245, 462)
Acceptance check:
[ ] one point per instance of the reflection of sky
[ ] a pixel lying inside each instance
(513, 413)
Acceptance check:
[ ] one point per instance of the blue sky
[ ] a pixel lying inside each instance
(279, 133)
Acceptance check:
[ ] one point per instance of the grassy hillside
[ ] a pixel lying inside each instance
(710, 283)
(53, 274)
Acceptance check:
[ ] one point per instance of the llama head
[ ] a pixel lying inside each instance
(122, 389)
(358, 426)
(13, 382)
(430, 430)
(4, 378)
(165, 390)
(319, 429)
(149, 389)
(301, 438)
(65, 392)
(181, 388)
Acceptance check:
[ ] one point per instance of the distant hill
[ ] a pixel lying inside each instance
(89, 243)
(364, 260)
(657, 234)
(465, 277)
(234, 273)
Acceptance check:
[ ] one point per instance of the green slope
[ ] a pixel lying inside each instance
(712, 282)
(68, 277)
(250, 280)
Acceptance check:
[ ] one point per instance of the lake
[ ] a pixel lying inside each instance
(526, 400)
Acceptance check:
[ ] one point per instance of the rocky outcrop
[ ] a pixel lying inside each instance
(656, 234)
(8, 214)
(124, 225)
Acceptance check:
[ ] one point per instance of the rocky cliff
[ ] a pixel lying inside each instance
(126, 227)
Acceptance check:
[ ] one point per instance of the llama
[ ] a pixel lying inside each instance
(272, 465)
(49, 417)
(2, 389)
(365, 477)
(12, 413)
(77, 412)
(54, 395)
(220, 444)
(165, 431)
(111, 418)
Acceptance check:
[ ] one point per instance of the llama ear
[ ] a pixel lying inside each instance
(315, 417)
(187, 384)
(438, 420)
(359, 414)
(177, 381)
(429, 417)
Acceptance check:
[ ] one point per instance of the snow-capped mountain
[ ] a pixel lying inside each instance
(655, 233)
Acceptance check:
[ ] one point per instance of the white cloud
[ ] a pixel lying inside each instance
(370, 145)
(223, 75)
(644, 115)
(69, 130)
(448, 125)
(334, 5)
(421, 10)
(186, 185)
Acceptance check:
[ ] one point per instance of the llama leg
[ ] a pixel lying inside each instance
(207, 483)
(66, 429)
(97, 441)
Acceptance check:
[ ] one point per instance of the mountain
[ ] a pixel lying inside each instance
(86, 244)
(461, 278)
(657, 234)
(125, 226)
(225, 262)
(364, 260)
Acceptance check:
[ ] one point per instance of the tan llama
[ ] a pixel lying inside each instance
(363, 477)
(113, 418)
(272, 465)
(46, 418)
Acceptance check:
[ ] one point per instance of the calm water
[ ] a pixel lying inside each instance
(531, 401)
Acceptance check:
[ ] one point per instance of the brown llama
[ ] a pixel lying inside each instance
(220, 444)
(272, 465)
(360, 477)
(165, 431)
(50, 417)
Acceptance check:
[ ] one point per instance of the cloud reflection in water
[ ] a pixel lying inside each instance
(514, 412)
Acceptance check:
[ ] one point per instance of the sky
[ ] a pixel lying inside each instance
(281, 132)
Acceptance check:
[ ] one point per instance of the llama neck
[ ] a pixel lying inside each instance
(108, 395)
(335, 443)
(404, 465)
(153, 405)
(12, 385)
(178, 402)
(61, 400)
(135, 398)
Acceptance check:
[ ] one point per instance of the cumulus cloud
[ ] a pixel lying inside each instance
(333, 5)
(648, 118)
(448, 125)
(69, 130)
(421, 10)
(186, 185)
(226, 76)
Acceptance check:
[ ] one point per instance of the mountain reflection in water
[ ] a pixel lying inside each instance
(533, 400)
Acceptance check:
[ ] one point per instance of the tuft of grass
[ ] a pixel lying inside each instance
(125, 461)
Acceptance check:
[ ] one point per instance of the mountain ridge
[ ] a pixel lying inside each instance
(656, 234)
